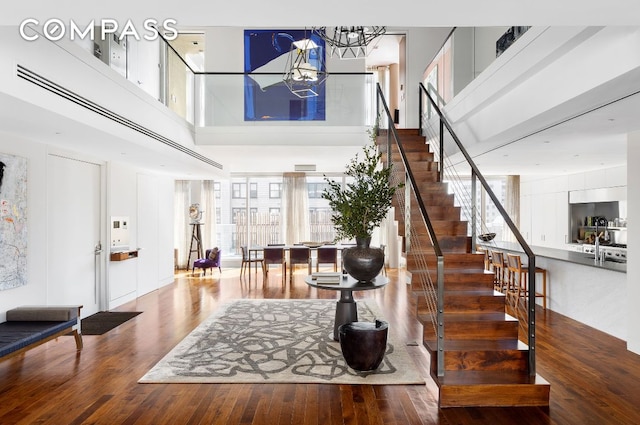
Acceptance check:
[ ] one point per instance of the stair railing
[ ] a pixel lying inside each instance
(433, 291)
(443, 124)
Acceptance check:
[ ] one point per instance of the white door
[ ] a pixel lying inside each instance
(73, 233)
(148, 229)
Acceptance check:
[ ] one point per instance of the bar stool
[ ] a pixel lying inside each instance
(497, 263)
(487, 257)
(521, 287)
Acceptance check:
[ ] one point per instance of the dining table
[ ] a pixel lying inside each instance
(255, 250)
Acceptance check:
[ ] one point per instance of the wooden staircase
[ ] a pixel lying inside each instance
(485, 363)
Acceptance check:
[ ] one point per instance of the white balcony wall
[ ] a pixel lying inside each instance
(554, 59)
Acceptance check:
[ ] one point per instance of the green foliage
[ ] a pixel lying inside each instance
(361, 205)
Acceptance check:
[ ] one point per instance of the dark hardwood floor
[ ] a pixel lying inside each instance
(594, 379)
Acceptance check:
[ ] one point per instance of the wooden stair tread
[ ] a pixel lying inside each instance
(470, 317)
(478, 317)
(478, 345)
(473, 292)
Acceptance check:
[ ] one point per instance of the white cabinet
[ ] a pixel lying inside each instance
(549, 218)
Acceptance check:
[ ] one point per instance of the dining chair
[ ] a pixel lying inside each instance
(327, 255)
(274, 255)
(299, 254)
(247, 260)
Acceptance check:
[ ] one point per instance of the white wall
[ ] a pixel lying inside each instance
(422, 45)
(147, 200)
(122, 198)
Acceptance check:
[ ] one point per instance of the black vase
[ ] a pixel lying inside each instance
(363, 262)
(363, 344)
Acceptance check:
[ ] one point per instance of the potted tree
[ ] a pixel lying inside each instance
(359, 207)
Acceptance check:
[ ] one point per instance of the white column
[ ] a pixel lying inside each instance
(633, 250)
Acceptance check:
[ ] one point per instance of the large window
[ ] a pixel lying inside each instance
(275, 190)
(489, 219)
(249, 211)
(238, 190)
(316, 189)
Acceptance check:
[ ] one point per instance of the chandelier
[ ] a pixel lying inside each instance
(305, 68)
(349, 42)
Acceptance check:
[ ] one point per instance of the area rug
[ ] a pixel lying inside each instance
(103, 321)
(277, 341)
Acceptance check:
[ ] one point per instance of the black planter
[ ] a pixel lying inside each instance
(363, 262)
(363, 344)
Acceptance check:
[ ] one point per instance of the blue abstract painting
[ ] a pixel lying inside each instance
(266, 96)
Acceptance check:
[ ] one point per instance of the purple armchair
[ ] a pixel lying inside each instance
(211, 260)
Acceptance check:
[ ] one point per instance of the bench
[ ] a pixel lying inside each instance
(29, 326)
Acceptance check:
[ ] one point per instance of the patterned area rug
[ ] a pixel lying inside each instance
(277, 341)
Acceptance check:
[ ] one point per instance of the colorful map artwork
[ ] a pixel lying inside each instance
(13, 221)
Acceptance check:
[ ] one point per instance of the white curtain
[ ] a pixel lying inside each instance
(208, 204)
(512, 205)
(181, 230)
(295, 208)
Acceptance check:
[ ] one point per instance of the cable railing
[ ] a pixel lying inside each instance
(432, 289)
(446, 170)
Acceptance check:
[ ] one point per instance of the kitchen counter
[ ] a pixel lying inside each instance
(577, 287)
(557, 254)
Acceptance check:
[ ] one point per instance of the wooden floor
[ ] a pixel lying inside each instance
(594, 380)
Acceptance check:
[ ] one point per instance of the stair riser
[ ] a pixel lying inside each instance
(465, 304)
(414, 156)
(436, 213)
(452, 245)
(417, 284)
(513, 360)
(459, 304)
(444, 228)
(478, 330)
(456, 281)
(417, 261)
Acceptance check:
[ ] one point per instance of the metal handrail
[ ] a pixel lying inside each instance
(476, 174)
(393, 134)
